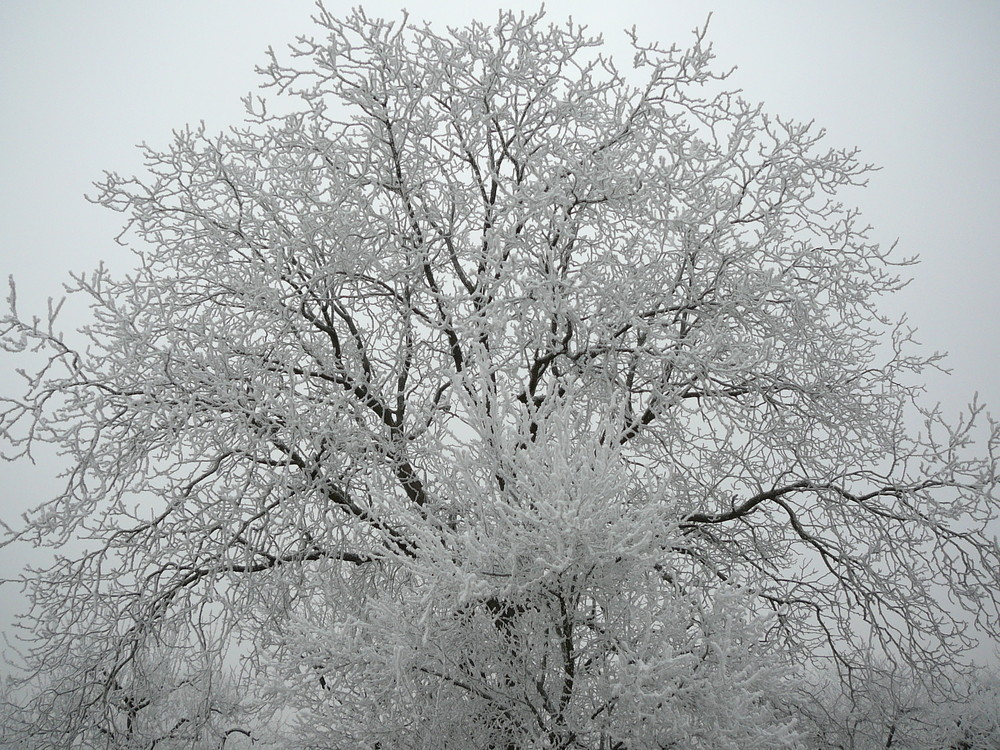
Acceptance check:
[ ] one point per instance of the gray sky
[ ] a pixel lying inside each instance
(914, 84)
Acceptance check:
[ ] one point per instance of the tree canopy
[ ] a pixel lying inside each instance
(478, 392)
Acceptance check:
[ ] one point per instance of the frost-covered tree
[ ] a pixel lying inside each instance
(489, 395)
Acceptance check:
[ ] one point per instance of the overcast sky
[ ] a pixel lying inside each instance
(913, 84)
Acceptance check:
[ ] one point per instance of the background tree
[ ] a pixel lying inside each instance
(897, 709)
(493, 396)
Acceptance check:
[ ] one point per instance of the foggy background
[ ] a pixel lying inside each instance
(914, 85)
